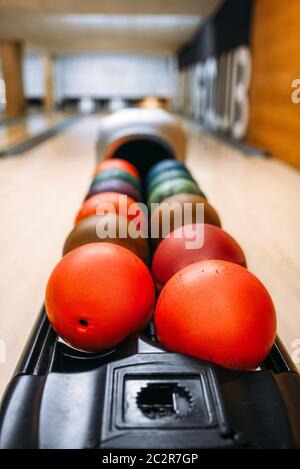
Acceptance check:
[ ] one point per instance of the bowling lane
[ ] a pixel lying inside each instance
(257, 201)
(40, 192)
(14, 133)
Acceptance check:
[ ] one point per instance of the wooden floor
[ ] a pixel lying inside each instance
(40, 192)
(14, 133)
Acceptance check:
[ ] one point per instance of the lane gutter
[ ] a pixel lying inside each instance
(31, 142)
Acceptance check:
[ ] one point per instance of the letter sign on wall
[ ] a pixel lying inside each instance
(215, 92)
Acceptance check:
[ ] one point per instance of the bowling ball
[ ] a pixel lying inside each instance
(161, 213)
(161, 166)
(94, 228)
(176, 252)
(168, 176)
(97, 295)
(97, 202)
(114, 185)
(117, 163)
(217, 311)
(175, 186)
(118, 174)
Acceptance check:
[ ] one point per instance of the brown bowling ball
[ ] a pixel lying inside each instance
(85, 232)
(210, 215)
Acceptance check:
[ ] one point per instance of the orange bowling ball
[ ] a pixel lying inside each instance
(193, 243)
(97, 202)
(117, 163)
(217, 311)
(97, 295)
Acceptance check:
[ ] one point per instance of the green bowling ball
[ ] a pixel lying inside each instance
(117, 173)
(175, 186)
(168, 176)
(163, 165)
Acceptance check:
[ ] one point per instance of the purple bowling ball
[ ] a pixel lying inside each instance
(114, 185)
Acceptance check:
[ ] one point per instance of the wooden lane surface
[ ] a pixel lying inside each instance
(13, 134)
(40, 192)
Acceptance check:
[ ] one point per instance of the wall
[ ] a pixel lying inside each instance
(215, 69)
(102, 75)
(2, 93)
(226, 30)
(11, 63)
(274, 120)
(33, 76)
(105, 75)
(271, 31)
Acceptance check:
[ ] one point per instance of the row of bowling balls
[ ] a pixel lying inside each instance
(168, 178)
(116, 175)
(210, 305)
(110, 181)
(169, 182)
(101, 291)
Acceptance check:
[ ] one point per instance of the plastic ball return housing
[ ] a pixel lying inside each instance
(140, 396)
(141, 136)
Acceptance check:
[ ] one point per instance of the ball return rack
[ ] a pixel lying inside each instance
(140, 396)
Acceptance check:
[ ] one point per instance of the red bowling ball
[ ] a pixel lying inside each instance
(97, 295)
(217, 311)
(175, 252)
(108, 201)
(117, 163)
